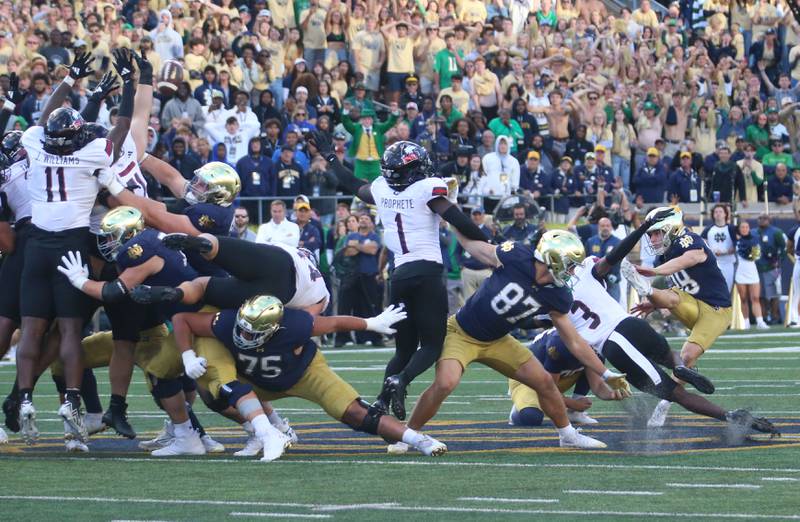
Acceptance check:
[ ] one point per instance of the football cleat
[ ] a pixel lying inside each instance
(642, 284)
(762, 326)
(511, 415)
(75, 446)
(11, 411)
(94, 423)
(695, 378)
(27, 417)
(287, 430)
(187, 243)
(381, 405)
(163, 439)
(251, 448)
(431, 447)
(580, 441)
(74, 417)
(744, 418)
(274, 444)
(186, 445)
(211, 445)
(398, 448)
(115, 417)
(394, 387)
(3, 437)
(145, 294)
(580, 417)
(659, 416)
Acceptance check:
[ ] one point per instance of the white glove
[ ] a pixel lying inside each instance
(194, 366)
(109, 180)
(383, 322)
(72, 266)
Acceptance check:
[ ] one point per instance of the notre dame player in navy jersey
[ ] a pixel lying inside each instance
(699, 296)
(263, 352)
(527, 281)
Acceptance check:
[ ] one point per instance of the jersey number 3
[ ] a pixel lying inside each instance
(62, 185)
(510, 295)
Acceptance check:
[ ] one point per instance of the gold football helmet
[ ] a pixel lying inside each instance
(216, 183)
(561, 251)
(256, 321)
(118, 226)
(670, 229)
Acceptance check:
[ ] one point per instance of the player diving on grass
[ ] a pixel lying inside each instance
(699, 296)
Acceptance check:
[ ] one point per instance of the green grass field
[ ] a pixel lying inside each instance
(687, 470)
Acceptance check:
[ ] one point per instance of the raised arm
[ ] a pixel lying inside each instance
(123, 64)
(606, 264)
(453, 215)
(79, 69)
(142, 104)
(107, 84)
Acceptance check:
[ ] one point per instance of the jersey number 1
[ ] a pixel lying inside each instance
(399, 220)
(62, 185)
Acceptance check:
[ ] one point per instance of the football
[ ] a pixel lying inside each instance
(170, 76)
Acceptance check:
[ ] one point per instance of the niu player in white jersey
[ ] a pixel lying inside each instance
(721, 239)
(632, 346)
(411, 201)
(68, 166)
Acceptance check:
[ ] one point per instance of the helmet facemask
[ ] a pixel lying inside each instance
(247, 337)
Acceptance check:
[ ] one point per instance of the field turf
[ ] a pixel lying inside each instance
(692, 469)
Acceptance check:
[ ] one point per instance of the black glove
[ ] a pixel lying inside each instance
(81, 66)
(321, 142)
(660, 216)
(145, 69)
(107, 84)
(15, 94)
(123, 63)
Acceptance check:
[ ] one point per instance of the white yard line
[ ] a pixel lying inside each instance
(276, 515)
(612, 492)
(711, 486)
(512, 500)
(780, 479)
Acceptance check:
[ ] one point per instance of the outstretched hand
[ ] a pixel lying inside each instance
(81, 66)
(123, 64)
(107, 84)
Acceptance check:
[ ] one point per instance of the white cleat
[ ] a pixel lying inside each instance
(287, 430)
(398, 448)
(211, 445)
(581, 441)
(511, 416)
(74, 417)
(431, 447)
(251, 448)
(163, 439)
(762, 326)
(580, 417)
(274, 444)
(27, 421)
(186, 445)
(637, 280)
(94, 423)
(659, 416)
(3, 436)
(71, 442)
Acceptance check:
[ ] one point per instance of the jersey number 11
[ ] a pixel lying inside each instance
(62, 185)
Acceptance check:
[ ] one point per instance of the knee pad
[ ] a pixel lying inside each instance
(233, 391)
(165, 388)
(369, 424)
(218, 405)
(188, 384)
(528, 417)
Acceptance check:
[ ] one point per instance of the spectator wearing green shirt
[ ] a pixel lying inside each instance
(503, 125)
(758, 134)
(448, 111)
(447, 62)
(776, 155)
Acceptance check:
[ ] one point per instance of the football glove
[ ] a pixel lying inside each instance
(194, 366)
(81, 66)
(123, 64)
(72, 266)
(107, 84)
(383, 322)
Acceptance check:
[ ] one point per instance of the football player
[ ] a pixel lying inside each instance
(263, 351)
(411, 201)
(699, 296)
(527, 281)
(68, 165)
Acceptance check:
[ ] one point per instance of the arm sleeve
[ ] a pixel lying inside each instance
(463, 224)
(627, 244)
(347, 179)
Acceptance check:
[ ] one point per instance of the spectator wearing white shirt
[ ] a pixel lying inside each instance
(167, 43)
(243, 113)
(279, 229)
(501, 169)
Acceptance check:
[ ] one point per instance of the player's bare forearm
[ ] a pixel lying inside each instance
(598, 386)
(687, 260)
(189, 325)
(576, 344)
(164, 173)
(337, 323)
(94, 289)
(156, 215)
(480, 250)
(56, 100)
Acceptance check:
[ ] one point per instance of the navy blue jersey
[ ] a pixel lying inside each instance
(704, 281)
(745, 246)
(509, 296)
(275, 365)
(209, 219)
(554, 355)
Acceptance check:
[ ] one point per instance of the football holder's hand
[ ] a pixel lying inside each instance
(81, 66)
(73, 268)
(623, 391)
(194, 366)
(383, 322)
(616, 380)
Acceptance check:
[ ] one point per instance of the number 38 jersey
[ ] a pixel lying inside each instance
(510, 295)
(704, 281)
(276, 365)
(411, 228)
(63, 188)
(594, 313)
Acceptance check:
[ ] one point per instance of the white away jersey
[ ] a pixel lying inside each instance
(16, 190)
(63, 188)
(127, 168)
(310, 286)
(411, 228)
(594, 312)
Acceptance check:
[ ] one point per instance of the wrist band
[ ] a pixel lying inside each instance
(69, 80)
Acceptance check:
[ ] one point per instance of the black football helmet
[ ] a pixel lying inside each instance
(405, 163)
(64, 132)
(12, 147)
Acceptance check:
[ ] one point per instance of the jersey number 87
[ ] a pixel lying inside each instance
(510, 295)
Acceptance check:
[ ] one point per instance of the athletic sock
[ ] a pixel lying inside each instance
(184, 429)
(14, 394)
(89, 392)
(274, 418)
(117, 402)
(248, 427)
(567, 432)
(747, 324)
(411, 437)
(261, 426)
(61, 384)
(26, 395)
(194, 420)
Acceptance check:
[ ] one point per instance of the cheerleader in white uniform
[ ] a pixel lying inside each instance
(794, 306)
(721, 239)
(748, 250)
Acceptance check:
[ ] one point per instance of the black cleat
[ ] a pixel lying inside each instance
(144, 294)
(695, 378)
(187, 243)
(11, 411)
(394, 387)
(381, 406)
(116, 418)
(745, 419)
